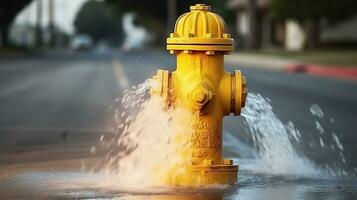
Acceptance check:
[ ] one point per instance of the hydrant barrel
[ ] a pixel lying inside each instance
(200, 84)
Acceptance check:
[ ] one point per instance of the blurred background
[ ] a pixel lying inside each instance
(256, 24)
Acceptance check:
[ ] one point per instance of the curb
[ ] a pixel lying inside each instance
(349, 73)
(259, 61)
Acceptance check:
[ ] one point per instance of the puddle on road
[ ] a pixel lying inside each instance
(76, 185)
(142, 149)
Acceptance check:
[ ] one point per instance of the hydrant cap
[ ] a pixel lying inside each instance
(200, 30)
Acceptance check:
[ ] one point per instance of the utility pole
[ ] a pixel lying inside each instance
(171, 15)
(252, 24)
(39, 23)
(51, 26)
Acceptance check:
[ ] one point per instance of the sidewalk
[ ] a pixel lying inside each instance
(259, 61)
(292, 66)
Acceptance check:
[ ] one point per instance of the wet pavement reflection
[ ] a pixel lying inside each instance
(67, 184)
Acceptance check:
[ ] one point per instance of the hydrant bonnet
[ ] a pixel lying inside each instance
(200, 30)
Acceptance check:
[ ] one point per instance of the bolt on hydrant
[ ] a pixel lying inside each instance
(200, 41)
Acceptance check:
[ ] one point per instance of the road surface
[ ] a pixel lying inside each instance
(54, 107)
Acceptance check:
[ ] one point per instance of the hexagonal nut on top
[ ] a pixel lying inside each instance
(200, 30)
(200, 6)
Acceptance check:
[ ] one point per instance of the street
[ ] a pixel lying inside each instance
(63, 100)
(73, 92)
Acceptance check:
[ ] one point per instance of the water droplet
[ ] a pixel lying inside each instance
(316, 111)
(337, 141)
(319, 127)
(93, 150)
(101, 138)
(322, 143)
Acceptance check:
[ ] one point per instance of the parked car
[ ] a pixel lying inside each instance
(81, 43)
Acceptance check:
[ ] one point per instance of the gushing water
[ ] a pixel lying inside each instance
(275, 142)
(272, 140)
(145, 137)
(142, 149)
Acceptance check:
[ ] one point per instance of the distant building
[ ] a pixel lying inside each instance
(343, 32)
(262, 30)
(257, 28)
(22, 35)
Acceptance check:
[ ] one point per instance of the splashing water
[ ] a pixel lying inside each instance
(274, 142)
(271, 139)
(144, 140)
(142, 149)
(316, 110)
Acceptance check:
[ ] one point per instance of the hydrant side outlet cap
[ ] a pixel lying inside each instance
(200, 30)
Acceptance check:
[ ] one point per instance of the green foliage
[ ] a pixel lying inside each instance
(98, 21)
(153, 9)
(8, 12)
(312, 10)
(218, 6)
(153, 14)
(158, 9)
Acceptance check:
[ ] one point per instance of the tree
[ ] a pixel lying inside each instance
(153, 14)
(97, 20)
(8, 12)
(309, 14)
(158, 9)
(150, 14)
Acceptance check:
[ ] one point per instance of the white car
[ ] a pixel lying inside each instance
(81, 43)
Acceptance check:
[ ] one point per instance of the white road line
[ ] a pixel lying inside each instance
(120, 75)
(47, 129)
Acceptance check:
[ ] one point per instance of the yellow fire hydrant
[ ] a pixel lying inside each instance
(200, 84)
